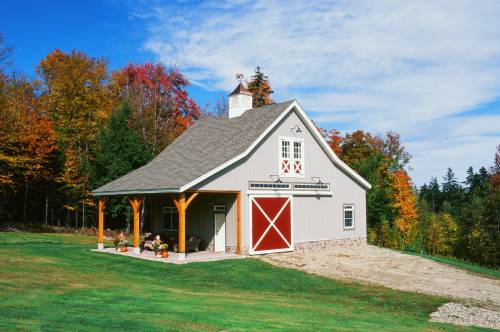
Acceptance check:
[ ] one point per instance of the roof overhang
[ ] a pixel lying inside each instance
(302, 115)
(317, 135)
(137, 192)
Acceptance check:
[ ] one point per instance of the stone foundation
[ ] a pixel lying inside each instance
(312, 245)
(322, 244)
(232, 250)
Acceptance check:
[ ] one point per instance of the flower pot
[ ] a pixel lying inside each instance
(123, 249)
(158, 254)
(164, 253)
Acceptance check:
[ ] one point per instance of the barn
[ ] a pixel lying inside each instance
(258, 180)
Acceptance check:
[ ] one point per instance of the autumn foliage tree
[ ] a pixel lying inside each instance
(162, 108)
(404, 202)
(73, 91)
(381, 161)
(260, 88)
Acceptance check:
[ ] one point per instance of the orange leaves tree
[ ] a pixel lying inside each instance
(381, 161)
(260, 88)
(73, 91)
(27, 140)
(403, 200)
(162, 108)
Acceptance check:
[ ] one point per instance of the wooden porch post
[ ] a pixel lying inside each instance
(182, 205)
(100, 231)
(238, 223)
(136, 206)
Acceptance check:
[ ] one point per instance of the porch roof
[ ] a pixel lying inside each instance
(206, 145)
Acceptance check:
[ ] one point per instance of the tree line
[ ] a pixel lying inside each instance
(448, 218)
(77, 125)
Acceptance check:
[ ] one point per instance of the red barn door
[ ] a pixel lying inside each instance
(271, 224)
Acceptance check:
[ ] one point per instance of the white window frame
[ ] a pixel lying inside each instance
(291, 157)
(172, 210)
(348, 207)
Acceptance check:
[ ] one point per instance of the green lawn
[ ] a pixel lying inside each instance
(54, 282)
(461, 264)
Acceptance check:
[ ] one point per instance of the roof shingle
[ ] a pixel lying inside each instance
(202, 147)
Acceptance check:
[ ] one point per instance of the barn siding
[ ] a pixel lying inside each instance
(315, 218)
(199, 216)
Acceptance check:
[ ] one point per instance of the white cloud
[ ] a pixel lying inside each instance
(381, 65)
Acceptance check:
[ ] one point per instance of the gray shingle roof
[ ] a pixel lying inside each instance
(202, 147)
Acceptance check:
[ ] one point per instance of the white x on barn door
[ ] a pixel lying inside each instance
(271, 223)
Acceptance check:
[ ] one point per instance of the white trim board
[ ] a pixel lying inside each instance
(288, 193)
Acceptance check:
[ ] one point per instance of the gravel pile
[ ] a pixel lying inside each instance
(389, 268)
(460, 314)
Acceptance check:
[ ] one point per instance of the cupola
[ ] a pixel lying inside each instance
(240, 100)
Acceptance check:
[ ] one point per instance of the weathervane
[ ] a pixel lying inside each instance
(240, 78)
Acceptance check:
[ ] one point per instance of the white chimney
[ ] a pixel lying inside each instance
(240, 100)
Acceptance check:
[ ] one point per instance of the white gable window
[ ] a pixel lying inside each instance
(291, 157)
(348, 216)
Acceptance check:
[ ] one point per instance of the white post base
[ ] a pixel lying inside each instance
(100, 246)
(181, 256)
(137, 251)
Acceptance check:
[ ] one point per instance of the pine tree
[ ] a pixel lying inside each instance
(119, 151)
(452, 192)
(260, 88)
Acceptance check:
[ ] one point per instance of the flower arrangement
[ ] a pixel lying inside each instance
(160, 249)
(121, 243)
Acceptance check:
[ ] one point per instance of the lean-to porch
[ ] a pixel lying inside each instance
(188, 222)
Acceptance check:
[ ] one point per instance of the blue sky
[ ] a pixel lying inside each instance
(429, 70)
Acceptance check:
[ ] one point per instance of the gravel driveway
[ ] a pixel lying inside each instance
(370, 264)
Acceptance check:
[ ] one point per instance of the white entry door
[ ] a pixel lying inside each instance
(220, 228)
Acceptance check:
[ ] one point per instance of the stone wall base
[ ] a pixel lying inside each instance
(308, 245)
(232, 250)
(322, 244)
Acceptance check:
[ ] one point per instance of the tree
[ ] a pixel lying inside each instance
(334, 140)
(221, 107)
(73, 91)
(432, 194)
(119, 151)
(260, 88)
(5, 54)
(441, 234)
(404, 201)
(27, 141)
(452, 192)
(495, 170)
(161, 106)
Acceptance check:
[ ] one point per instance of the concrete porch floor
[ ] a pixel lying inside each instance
(173, 257)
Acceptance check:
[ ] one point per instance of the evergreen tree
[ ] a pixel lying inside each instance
(260, 89)
(452, 192)
(119, 151)
(432, 194)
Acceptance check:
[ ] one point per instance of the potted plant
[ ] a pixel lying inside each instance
(121, 243)
(156, 248)
(164, 250)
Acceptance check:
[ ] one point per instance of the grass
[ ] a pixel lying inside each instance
(54, 282)
(461, 264)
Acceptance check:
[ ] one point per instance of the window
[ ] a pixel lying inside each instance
(270, 185)
(348, 216)
(297, 150)
(311, 186)
(291, 157)
(170, 218)
(285, 149)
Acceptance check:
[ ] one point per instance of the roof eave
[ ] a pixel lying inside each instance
(136, 192)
